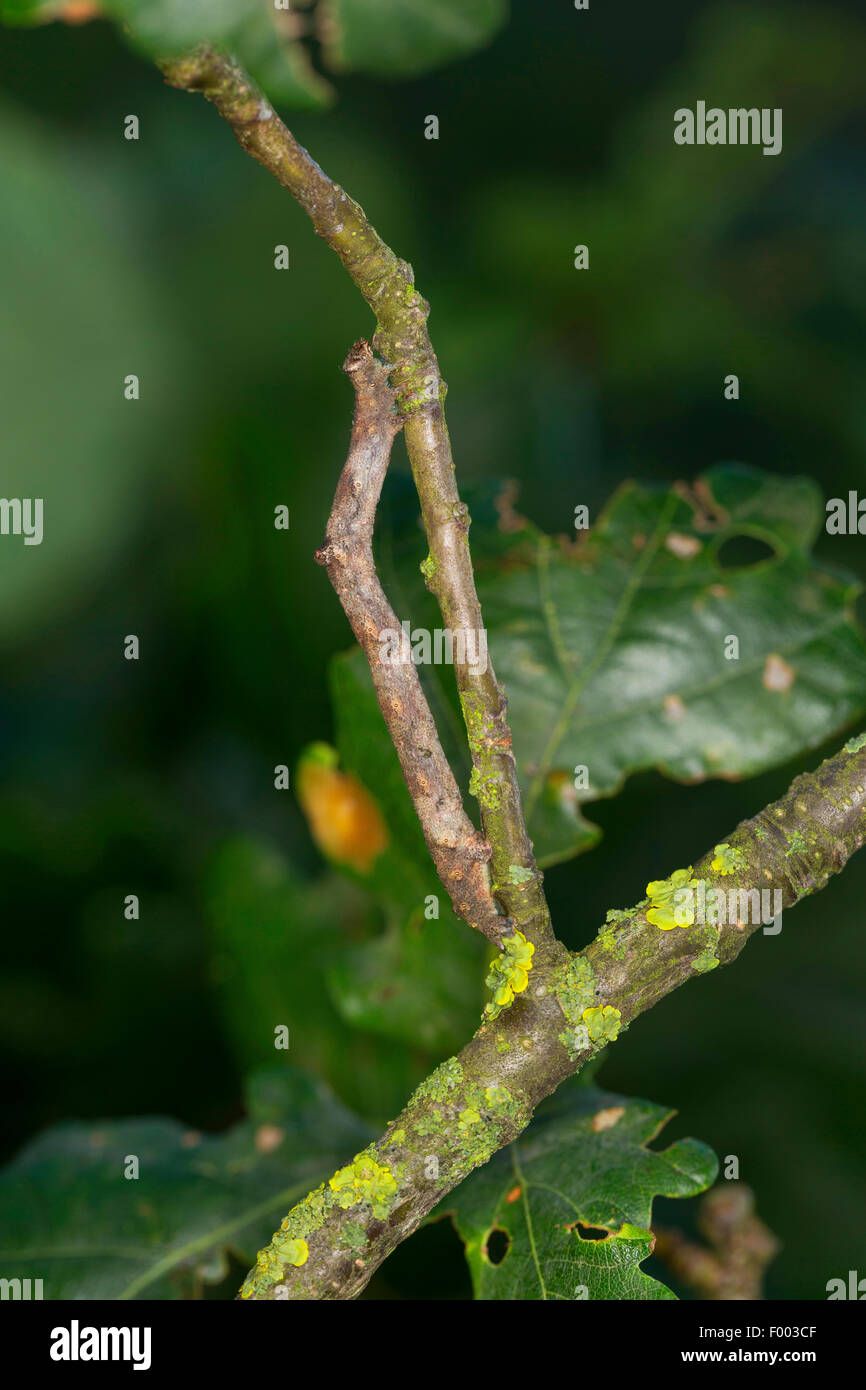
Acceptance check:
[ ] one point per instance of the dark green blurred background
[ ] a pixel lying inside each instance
(156, 257)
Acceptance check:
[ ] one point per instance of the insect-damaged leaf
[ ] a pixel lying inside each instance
(616, 652)
(565, 1211)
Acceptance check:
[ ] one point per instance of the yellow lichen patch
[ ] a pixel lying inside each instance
(272, 1261)
(344, 820)
(672, 901)
(364, 1180)
(602, 1024)
(509, 973)
(292, 1252)
(778, 675)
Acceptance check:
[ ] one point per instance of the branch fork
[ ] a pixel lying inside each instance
(516, 1059)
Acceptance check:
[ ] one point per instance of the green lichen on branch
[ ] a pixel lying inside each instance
(519, 876)
(469, 1117)
(727, 859)
(706, 961)
(485, 787)
(364, 1183)
(490, 1112)
(441, 1083)
(434, 1123)
(272, 1263)
(516, 881)
(614, 935)
(574, 986)
(353, 1238)
(598, 990)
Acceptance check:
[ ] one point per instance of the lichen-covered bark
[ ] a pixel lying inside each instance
(480, 1100)
(564, 1008)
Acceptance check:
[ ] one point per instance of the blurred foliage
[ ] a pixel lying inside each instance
(73, 335)
(394, 38)
(275, 938)
(313, 957)
(387, 37)
(197, 1198)
(156, 777)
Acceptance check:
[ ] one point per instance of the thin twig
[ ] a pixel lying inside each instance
(387, 284)
(458, 851)
(481, 1099)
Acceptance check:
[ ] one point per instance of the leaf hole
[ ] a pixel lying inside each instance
(590, 1232)
(743, 553)
(497, 1245)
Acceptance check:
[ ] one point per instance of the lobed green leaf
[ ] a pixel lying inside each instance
(570, 1202)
